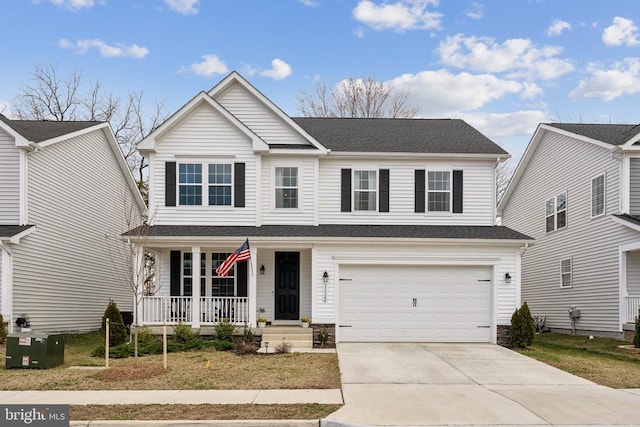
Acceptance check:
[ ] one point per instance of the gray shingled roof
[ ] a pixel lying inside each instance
(7, 231)
(337, 230)
(614, 134)
(42, 130)
(398, 135)
(629, 218)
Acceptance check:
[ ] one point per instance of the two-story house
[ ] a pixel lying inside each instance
(66, 195)
(577, 192)
(381, 228)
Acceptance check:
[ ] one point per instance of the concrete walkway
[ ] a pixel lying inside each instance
(470, 385)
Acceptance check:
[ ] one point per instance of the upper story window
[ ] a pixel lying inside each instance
(286, 187)
(597, 196)
(565, 273)
(365, 190)
(556, 212)
(219, 184)
(438, 191)
(190, 183)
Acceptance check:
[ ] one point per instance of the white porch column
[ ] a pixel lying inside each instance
(7, 284)
(138, 281)
(253, 287)
(195, 274)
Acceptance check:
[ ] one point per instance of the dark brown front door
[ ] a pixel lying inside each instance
(287, 286)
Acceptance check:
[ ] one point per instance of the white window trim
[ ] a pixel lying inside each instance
(604, 196)
(426, 195)
(179, 184)
(209, 274)
(555, 212)
(275, 187)
(353, 190)
(204, 184)
(570, 273)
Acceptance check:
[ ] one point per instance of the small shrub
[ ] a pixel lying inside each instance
(247, 334)
(283, 348)
(146, 338)
(636, 337)
(244, 347)
(224, 331)
(117, 330)
(183, 333)
(3, 331)
(323, 336)
(119, 351)
(523, 327)
(222, 345)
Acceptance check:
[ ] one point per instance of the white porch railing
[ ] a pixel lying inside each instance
(157, 310)
(633, 303)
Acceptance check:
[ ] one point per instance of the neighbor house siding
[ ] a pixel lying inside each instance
(634, 186)
(66, 271)
(9, 180)
(560, 164)
(478, 195)
(633, 273)
(258, 117)
(203, 137)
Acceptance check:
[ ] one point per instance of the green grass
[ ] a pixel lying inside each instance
(600, 360)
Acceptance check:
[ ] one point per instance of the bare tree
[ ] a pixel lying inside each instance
(504, 172)
(52, 97)
(363, 98)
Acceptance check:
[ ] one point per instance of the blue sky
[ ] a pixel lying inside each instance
(502, 65)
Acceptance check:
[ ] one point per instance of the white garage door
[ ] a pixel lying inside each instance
(415, 303)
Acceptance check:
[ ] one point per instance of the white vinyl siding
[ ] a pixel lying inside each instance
(304, 213)
(67, 270)
(598, 195)
(560, 164)
(478, 193)
(9, 180)
(203, 137)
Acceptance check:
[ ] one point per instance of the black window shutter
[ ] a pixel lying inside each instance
(239, 184)
(345, 190)
(457, 191)
(170, 184)
(241, 268)
(384, 190)
(420, 190)
(175, 266)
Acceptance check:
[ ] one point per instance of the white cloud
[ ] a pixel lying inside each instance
(309, 3)
(500, 125)
(530, 90)
(279, 70)
(623, 78)
(400, 16)
(108, 51)
(519, 57)
(621, 32)
(209, 66)
(185, 7)
(558, 27)
(74, 4)
(441, 93)
(476, 11)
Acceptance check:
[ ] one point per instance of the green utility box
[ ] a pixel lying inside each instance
(34, 350)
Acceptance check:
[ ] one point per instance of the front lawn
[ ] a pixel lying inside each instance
(599, 360)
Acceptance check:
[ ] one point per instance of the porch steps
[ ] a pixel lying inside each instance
(299, 338)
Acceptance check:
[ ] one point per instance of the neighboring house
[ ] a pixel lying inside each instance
(576, 191)
(381, 228)
(66, 195)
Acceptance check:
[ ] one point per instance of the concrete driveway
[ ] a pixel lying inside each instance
(469, 384)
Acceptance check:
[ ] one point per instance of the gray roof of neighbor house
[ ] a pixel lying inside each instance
(334, 231)
(42, 130)
(7, 231)
(388, 135)
(614, 134)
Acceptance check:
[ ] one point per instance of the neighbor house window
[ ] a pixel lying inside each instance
(565, 273)
(219, 184)
(365, 190)
(556, 212)
(597, 195)
(286, 187)
(438, 191)
(222, 286)
(190, 183)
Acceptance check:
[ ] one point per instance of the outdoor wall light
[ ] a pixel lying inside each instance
(262, 270)
(507, 278)
(325, 277)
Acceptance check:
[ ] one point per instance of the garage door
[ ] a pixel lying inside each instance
(415, 303)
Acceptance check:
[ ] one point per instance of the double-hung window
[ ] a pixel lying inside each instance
(187, 274)
(286, 187)
(556, 212)
(190, 183)
(565, 273)
(219, 184)
(597, 195)
(222, 286)
(365, 190)
(439, 191)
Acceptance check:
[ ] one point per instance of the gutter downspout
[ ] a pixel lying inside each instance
(6, 262)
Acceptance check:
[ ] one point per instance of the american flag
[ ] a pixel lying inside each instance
(240, 254)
